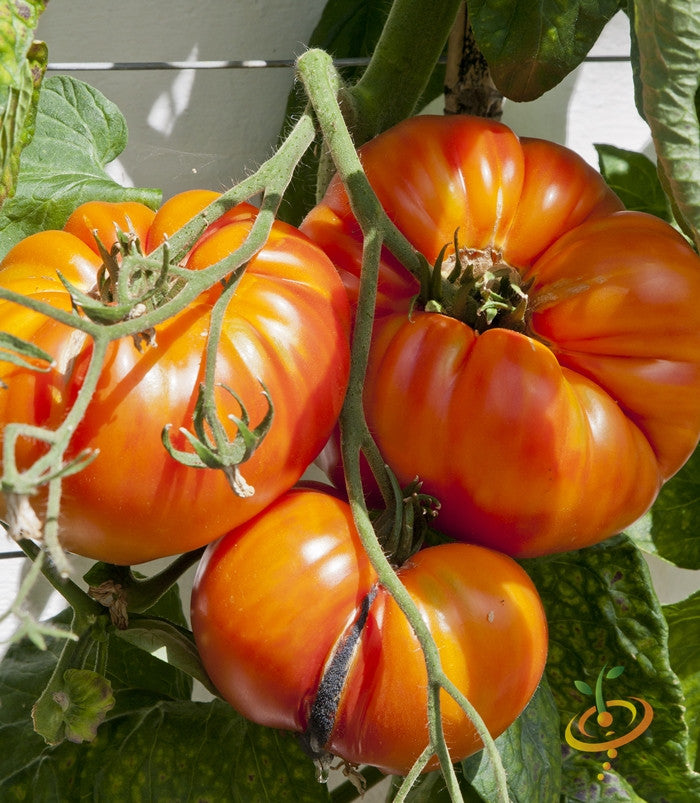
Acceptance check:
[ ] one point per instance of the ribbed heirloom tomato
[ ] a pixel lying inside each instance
(296, 633)
(561, 386)
(286, 329)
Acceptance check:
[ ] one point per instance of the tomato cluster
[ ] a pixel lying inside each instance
(541, 379)
(542, 392)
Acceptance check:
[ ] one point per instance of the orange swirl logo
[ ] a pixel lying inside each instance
(620, 721)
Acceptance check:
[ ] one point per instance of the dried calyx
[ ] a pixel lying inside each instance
(476, 286)
(129, 284)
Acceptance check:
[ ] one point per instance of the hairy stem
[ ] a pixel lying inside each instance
(84, 607)
(413, 774)
(143, 594)
(408, 49)
(315, 69)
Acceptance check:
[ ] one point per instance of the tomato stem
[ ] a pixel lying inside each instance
(314, 69)
(410, 45)
(123, 593)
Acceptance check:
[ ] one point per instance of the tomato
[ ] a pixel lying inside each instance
(286, 329)
(559, 431)
(274, 599)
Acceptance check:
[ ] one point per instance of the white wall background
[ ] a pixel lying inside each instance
(208, 127)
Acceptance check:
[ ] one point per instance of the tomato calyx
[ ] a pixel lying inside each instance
(476, 286)
(213, 448)
(129, 284)
(401, 530)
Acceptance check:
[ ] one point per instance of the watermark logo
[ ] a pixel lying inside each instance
(608, 724)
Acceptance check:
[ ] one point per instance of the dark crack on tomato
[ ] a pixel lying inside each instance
(325, 705)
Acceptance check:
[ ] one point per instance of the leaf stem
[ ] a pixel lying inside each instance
(143, 594)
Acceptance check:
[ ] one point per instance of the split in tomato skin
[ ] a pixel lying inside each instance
(273, 599)
(556, 433)
(286, 330)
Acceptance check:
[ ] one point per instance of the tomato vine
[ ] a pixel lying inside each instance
(315, 69)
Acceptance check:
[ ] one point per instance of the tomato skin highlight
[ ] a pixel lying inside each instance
(287, 328)
(272, 598)
(562, 436)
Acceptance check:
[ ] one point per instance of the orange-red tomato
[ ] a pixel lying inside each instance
(286, 328)
(273, 600)
(550, 438)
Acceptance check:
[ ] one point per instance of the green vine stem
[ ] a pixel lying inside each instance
(122, 593)
(408, 49)
(78, 599)
(315, 69)
(145, 593)
(412, 777)
(86, 635)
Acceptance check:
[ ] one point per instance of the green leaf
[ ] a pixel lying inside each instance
(531, 753)
(171, 752)
(601, 609)
(350, 28)
(675, 517)
(22, 66)
(79, 707)
(584, 688)
(530, 47)
(684, 650)
(665, 47)
(346, 29)
(176, 643)
(78, 132)
(150, 748)
(633, 176)
(583, 786)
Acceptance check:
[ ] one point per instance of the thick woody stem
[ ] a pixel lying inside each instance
(469, 88)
